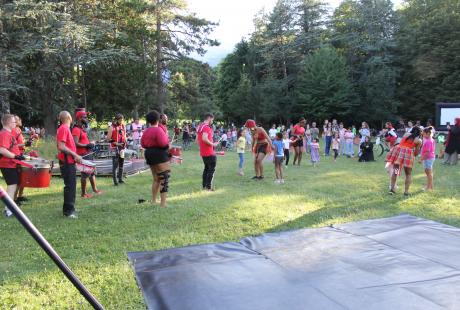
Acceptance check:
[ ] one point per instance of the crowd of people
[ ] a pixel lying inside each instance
(300, 139)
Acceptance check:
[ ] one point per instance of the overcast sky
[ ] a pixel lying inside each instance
(235, 20)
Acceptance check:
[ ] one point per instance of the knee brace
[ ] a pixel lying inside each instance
(164, 180)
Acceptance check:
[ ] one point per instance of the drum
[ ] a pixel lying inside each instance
(37, 176)
(86, 166)
(175, 153)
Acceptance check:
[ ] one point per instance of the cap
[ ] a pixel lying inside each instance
(250, 124)
(80, 114)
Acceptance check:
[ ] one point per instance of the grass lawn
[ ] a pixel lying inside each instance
(95, 245)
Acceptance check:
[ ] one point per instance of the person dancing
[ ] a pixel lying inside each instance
(156, 144)
(261, 146)
(298, 132)
(403, 156)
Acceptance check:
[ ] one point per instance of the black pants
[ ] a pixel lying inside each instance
(117, 164)
(336, 153)
(286, 156)
(210, 163)
(69, 175)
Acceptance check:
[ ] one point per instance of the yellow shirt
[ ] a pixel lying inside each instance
(240, 144)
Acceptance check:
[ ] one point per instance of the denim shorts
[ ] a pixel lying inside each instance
(428, 163)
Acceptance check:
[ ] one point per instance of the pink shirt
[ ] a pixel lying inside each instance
(428, 148)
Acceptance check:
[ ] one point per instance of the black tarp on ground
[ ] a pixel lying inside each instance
(401, 262)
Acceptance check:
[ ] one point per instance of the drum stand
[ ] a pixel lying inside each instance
(35, 233)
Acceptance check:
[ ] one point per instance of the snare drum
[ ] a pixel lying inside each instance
(86, 166)
(175, 153)
(37, 176)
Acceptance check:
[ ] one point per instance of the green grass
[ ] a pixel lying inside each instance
(111, 225)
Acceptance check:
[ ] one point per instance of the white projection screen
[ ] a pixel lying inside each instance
(446, 112)
(448, 115)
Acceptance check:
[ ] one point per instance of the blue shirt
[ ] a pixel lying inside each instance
(279, 148)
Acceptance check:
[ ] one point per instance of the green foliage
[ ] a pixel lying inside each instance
(428, 48)
(323, 88)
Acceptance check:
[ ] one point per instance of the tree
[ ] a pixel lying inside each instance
(324, 89)
(428, 48)
(363, 30)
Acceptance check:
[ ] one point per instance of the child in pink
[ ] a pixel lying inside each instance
(428, 156)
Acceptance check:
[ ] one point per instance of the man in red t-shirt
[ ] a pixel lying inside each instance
(9, 151)
(117, 137)
(67, 155)
(205, 141)
(84, 147)
(17, 132)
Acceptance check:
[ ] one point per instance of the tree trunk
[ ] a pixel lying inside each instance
(159, 65)
(4, 95)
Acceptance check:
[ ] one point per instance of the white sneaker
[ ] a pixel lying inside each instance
(7, 212)
(277, 181)
(72, 216)
(282, 181)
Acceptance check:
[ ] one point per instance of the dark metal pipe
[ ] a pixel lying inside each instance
(33, 231)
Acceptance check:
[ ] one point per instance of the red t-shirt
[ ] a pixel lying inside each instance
(17, 132)
(154, 137)
(165, 129)
(205, 149)
(8, 141)
(82, 138)
(298, 130)
(64, 135)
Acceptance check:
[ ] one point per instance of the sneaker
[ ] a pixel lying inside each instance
(391, 192)
(406, 194)
(261, 177)
(282, 181)
(121, 181)
(18, 203)
(22, 199)
(277, 181)
(72, 216)
(255, 178)
(87, 195)
(7, 213)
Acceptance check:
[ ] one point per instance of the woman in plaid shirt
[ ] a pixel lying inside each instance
(403, 156)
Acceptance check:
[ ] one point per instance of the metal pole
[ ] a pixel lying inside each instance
(33, 231)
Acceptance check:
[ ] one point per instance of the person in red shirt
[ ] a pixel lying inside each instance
(9, 151)
(67, 155)
(84, 147)
(205, 141)
(117, 137)
(298, 133)
(17, 132)
(156, 144)
(261, 146)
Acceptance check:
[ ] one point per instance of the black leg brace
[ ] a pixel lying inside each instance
(164, 179)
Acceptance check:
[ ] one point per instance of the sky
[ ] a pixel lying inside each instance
(235, 20)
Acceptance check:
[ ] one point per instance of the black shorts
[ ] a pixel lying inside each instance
(155, 156)
(262, 148)
(224, 143)
(298, 143)
(11, 175)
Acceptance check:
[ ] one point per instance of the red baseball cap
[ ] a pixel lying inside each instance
(80, 114)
